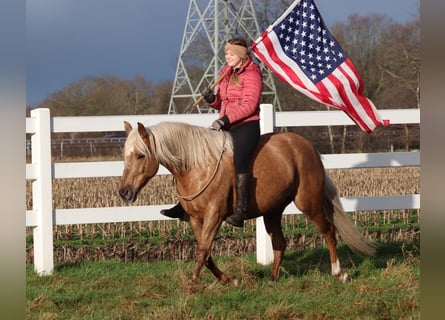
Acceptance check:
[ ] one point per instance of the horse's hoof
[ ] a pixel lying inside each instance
(224, 279)
(344, 277)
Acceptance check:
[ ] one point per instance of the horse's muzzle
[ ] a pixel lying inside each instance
(127, 194)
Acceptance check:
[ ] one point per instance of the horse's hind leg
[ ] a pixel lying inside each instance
(331, 242)
(327, 229)
(273, 228)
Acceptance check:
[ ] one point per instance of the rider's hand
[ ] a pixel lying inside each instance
(209, 96)
(220, 123)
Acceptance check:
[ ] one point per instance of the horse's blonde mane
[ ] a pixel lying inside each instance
(181, 145)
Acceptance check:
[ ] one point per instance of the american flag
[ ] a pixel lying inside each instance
(301, 51)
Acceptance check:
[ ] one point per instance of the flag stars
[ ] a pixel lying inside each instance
(306, 41)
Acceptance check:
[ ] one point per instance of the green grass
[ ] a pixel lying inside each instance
(383, 287)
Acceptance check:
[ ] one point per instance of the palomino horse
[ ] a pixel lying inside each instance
(285, 167)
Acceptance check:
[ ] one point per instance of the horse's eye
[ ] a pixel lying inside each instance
(140, 156)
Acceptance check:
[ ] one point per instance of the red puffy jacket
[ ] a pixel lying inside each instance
(240, 102)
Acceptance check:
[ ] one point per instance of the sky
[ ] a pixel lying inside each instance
(68, 40)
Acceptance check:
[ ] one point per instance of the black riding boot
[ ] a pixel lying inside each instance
(242, 197)
(176, 212)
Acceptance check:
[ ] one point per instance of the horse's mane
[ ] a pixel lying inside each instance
(181, 145)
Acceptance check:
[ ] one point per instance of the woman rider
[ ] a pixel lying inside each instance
(238, 101)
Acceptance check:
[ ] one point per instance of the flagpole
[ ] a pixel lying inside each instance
(273, 25)
(211, 88)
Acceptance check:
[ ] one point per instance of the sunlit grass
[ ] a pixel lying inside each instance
(384, 287)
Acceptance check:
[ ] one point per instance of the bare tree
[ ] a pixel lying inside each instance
(103, 96)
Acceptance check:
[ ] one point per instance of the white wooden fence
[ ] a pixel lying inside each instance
(41, 171)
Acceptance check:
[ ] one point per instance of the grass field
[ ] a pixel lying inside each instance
(383, 287)
(142, 270)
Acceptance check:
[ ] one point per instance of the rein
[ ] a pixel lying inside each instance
(193, 196)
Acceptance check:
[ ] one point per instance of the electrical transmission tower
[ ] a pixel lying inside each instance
(202, 51)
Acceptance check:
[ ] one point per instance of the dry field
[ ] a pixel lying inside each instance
(173, 239)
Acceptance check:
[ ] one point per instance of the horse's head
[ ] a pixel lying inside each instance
(140, 163)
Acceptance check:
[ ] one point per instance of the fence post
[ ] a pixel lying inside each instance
(42, 192)
(264, 252)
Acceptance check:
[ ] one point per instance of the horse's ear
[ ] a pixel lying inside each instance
(127, 127)
(143, 132)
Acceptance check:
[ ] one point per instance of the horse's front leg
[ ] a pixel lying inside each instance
(205, 232)
(216, 271)
(203, 258)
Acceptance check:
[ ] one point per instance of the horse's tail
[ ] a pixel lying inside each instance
(345, 227)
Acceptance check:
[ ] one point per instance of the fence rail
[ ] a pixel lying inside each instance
(42, 170)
